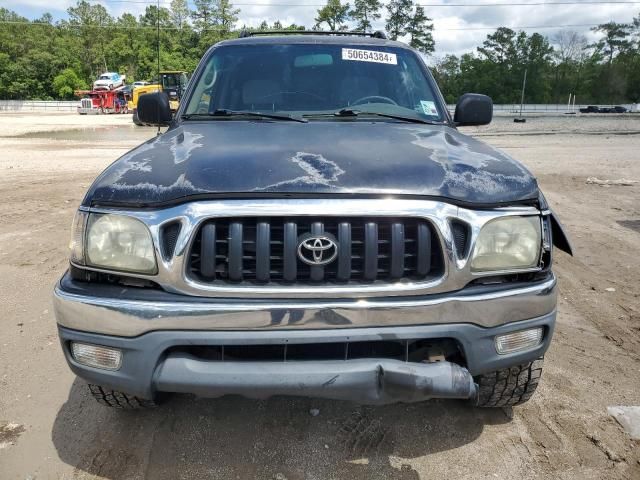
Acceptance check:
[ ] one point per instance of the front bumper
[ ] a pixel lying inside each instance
(149, 365)
(129, 312)
(149, 330)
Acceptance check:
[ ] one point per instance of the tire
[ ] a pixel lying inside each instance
(135, 118)
(115, 399)
(510, 386)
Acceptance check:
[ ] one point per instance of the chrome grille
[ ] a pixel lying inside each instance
(265, 250)
(86, 103)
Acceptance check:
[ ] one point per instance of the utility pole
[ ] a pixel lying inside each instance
(521, 119)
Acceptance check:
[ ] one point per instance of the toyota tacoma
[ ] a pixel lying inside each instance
(311, 223)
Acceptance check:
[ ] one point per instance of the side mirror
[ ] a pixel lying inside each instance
(153, 109)
(473, 109)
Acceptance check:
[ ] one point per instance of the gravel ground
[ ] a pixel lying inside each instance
(50, 428)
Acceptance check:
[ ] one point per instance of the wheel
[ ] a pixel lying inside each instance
(378, 98)
(135, 118)
(509, 386)
(115, 399)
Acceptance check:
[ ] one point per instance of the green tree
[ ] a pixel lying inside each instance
(226, 16)
(364, 12)
(614, 41)
(91, 24)
(179, 13)
(66, 82)
(421, 29)
(204, 15)
(334, 14)
(399, 16)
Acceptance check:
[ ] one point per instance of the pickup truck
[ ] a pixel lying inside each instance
(109, 81)
(311, 223)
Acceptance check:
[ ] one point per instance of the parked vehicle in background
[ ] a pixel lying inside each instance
(596, 109)
(104, 101)
(314, 224)
(109, 81)
(173, 83)
(139, 83)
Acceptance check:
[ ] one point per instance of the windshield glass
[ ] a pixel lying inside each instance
(309, 79)
(105, 77)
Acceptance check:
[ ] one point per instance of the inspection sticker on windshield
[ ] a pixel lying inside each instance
(429, 108)
(369, 56)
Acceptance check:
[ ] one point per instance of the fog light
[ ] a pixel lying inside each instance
(96, 356)
(517, 341)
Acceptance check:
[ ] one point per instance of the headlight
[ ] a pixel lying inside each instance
(118, 242)
(508, 243)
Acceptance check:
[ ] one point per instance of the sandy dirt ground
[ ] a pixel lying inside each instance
(51, 429)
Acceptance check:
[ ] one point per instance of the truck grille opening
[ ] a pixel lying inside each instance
(411, 350)
(262, 251)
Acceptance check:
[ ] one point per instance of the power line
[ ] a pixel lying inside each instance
(521, 27)
(145, 27)
(430, 5)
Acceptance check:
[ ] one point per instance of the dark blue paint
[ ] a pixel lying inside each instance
(245, 158)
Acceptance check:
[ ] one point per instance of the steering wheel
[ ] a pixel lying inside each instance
(368, 99)
(309, 94)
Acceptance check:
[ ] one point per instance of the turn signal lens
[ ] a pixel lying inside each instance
(518, 341)
(96, 356)
(76, 245)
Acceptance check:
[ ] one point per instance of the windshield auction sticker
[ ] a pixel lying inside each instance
(369, 56)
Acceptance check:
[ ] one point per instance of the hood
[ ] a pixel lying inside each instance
(238, 158)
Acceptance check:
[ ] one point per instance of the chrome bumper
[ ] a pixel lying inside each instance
(130, 317)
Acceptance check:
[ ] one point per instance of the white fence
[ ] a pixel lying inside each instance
(65, 106)
(546, 107)
(37, 106)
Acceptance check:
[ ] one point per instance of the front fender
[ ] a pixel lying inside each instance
(560, 237)
(558, 234)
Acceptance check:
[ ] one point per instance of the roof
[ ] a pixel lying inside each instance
(314, 39)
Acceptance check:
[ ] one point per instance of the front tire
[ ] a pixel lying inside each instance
(136, 120)
(116, 399)
(509, 386)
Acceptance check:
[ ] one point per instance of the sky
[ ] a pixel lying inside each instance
(460, 25)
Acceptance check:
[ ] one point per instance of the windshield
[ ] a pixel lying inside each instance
(105, 77)
(310, 79)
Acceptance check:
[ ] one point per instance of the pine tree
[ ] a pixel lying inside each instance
(420, 30)
(399, 17)
(364, 12)
(179, 13)
(334, 14)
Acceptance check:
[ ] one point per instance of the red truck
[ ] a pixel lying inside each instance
(103, 101)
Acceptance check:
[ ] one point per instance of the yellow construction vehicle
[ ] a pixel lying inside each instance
(171, 81)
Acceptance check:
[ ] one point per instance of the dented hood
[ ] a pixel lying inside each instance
(253, 158)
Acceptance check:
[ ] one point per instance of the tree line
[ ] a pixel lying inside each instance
(43, 59)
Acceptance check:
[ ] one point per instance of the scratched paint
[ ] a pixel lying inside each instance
(319, 157)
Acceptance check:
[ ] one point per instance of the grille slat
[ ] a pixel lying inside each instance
(397, 250)
(370, 251)
(208, 251)
(344, 253)
(235, 251)
(316, 273)
(265, 251)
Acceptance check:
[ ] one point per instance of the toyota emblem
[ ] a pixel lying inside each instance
(317, 250)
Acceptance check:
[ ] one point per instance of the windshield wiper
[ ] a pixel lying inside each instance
(224, 112)
(350, 112)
